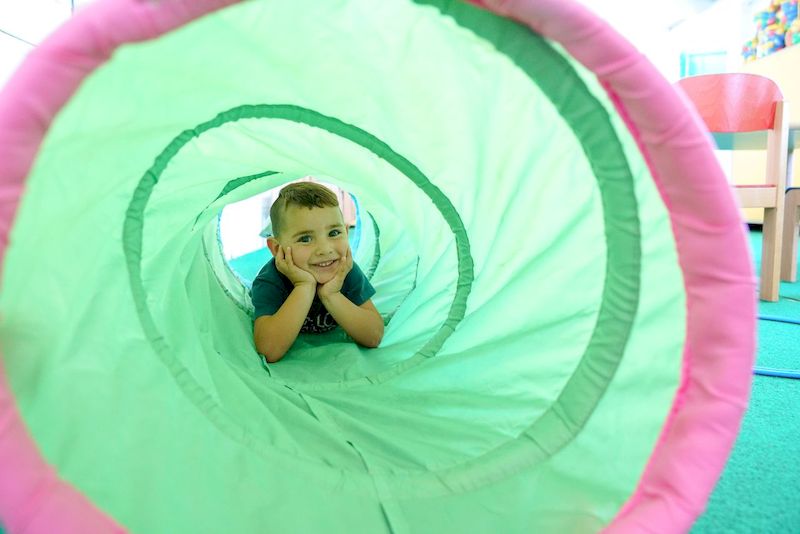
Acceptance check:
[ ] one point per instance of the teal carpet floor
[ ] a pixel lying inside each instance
(759, 491)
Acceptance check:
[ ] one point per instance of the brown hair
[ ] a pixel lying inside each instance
(303, 194)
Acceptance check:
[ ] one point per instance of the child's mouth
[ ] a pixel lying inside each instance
(325, 264)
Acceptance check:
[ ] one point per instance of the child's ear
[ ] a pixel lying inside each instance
(272, 245)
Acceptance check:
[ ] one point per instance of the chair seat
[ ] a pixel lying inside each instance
(757, 196)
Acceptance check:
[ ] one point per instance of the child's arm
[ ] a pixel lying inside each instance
(363, 323)
(274, 334)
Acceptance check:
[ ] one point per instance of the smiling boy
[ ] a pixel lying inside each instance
(311, 284)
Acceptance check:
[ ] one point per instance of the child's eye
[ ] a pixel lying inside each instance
(304, 239)
(335, 233)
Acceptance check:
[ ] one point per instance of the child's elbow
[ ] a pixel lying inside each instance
(375, 339)
(370, 343)
(273, 357)
(267, 343)
(270, 353)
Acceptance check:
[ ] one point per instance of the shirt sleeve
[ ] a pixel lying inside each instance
(356, 287)
(267, 297)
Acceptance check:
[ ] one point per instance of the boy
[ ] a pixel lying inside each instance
(311, 284)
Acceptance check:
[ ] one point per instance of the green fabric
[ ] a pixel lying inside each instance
(133, 230)
(525, 267)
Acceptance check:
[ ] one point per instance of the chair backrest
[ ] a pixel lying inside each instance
(738, 103)
(733, 105)
(733, 102)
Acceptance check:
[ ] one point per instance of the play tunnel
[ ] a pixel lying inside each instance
(565, 282)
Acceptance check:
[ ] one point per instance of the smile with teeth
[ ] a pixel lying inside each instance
(325, 264)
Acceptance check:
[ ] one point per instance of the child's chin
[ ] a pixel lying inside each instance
(323, 279)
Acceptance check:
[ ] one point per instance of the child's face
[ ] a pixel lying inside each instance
(318, 238)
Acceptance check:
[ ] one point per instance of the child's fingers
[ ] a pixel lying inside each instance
(348, 262)
(288, 255)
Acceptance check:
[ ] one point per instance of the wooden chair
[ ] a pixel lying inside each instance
(791, 225)
(735, 107)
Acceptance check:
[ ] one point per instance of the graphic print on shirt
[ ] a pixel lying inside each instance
(318, 320)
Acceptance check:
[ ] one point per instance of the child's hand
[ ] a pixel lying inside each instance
(334, 285)
(286, 266)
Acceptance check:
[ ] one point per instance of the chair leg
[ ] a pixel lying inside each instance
(771, 253)
(791, 218)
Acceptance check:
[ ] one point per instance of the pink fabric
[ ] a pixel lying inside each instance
(33, 498)
(720, 286)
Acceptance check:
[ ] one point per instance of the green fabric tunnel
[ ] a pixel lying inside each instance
(523, 259)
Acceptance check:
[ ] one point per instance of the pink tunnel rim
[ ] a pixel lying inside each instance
(33, 498)
(713, 254)
(720, 344)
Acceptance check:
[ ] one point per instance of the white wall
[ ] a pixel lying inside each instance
(724, 26)
(240, 225)
(645, 25)
(24, 24)
(654, 27)
(663, 29)
(12, 52)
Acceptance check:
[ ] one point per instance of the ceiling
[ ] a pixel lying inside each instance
(662, 15)
(24, 23)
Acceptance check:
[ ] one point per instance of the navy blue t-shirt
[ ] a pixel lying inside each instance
(271, 289)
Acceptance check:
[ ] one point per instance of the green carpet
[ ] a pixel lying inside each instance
(759, 491)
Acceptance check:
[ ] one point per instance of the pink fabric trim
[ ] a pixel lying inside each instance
(686, 364)
(720, 285)
(698, 436)
(33, 498)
